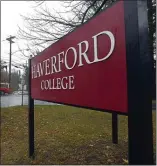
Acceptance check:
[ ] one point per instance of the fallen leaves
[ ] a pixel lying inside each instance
(125, 161)
(63, 135)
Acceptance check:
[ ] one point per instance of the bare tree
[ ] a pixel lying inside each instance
(15, 80)
(48, 25)
(3, 76)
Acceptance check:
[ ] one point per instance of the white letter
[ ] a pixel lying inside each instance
(75, 56)
(41, 69)
(65, 84)
(41, 85)
(50, 84)
(53, 62)
(38, 71)
(58, 83)
(47, 87)
(111, 36)
(53, 84)
(71, 81)
(60, 61)
(83, 53)
(47, 67)
(34, 72)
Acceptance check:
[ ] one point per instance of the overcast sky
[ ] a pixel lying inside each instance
(10, 18)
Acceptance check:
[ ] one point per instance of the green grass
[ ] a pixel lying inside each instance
(63, 135)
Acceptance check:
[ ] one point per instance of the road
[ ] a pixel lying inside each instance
(14, 100)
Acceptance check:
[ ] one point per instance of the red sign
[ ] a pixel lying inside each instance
(87, 67)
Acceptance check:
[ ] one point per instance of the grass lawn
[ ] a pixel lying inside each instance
(63, 135)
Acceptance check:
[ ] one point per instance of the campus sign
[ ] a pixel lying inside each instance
(87, 67)
(103, 65)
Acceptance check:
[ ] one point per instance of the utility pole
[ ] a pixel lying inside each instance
(10, 40)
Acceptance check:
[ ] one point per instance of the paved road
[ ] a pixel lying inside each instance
(14, 100)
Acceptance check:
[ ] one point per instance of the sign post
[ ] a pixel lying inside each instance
(114, 128)
(139, 76)
(30, 116)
